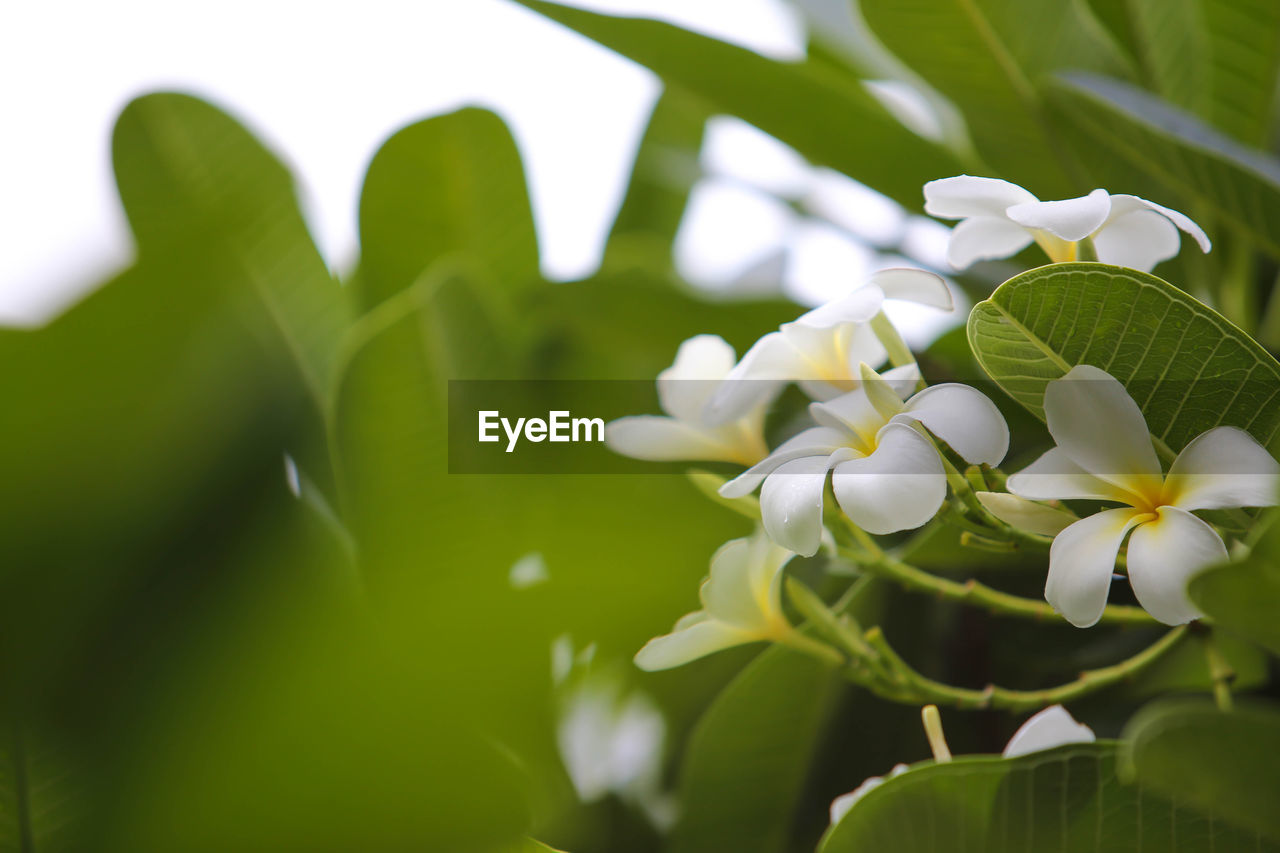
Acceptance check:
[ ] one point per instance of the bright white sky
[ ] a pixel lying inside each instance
(325, 83)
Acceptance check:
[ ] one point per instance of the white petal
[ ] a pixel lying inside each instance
(965, 195)
(898, 487)
(791, 503)
(912, 285)
(854, 414)
(815, 441)
(982, 238)
(738, 590)
(685, 387)
(1121, 204)
(695, 641)
(1139, 240)
(1071, 219)
(1024, 514)
(1054, 476)
(1163, 555)
(659, 439)
(754, 380)
(1081, 561)
(1224, 467)
(964, 418)
(1051, 727)
(857, 307)
(1092, 417)
(833, 354)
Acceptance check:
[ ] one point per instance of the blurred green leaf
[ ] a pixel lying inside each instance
(748, 760)
(665, 170)
(856, 134)
(1180, 151)
(1219, 763)
(39, 803)
(992, 58)
(450, 186)
(1243, 597)
(193, 180)
(1063, 799)
(1216, 58)
(130, 419)
(1186, 366)
(1184, 668)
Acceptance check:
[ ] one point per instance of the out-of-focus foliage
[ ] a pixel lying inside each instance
(246, 606)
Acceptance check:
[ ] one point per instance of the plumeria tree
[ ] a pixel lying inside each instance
(1013, 588)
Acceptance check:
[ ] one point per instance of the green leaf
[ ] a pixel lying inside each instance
(527, 845)
(1219, 763)
(1216, 58)
(195, 184)
(856, 134)
(1243, 597)
(450, 185)
(1063, 799)
(992, 58)
(1185, 365)
(750, 756)
(39, 802)
(1180, 151)
(665, 170)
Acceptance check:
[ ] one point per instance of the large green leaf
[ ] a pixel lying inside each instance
(194, 181)
(1066, 799)
(1244, 596)
(131, 419)
(1240, 184)
(1220, 763)
(450, 185)
(1216, 58)
(40, 807)
(752, 752)
(856, 134)
(664, 173)
(1187, 367)
(992, 58)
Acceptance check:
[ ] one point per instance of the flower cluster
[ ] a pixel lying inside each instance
(886, 448)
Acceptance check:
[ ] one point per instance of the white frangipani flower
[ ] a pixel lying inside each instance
(1104, 452)
(741, 603)
(1050, 728)
(821, 350)
(684, 390)
(999, 219)
(887, 476)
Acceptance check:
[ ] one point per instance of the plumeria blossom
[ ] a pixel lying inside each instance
(999, 219)
(741, 603)
(1050, 728)
(886, 475)
(1104, 452)
(684, 390)
(821, 350)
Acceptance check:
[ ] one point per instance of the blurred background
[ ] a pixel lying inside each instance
(325, 89)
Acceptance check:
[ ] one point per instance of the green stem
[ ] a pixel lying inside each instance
(814, 648)
(873, 559)
(1220, 670)
(907, 682)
